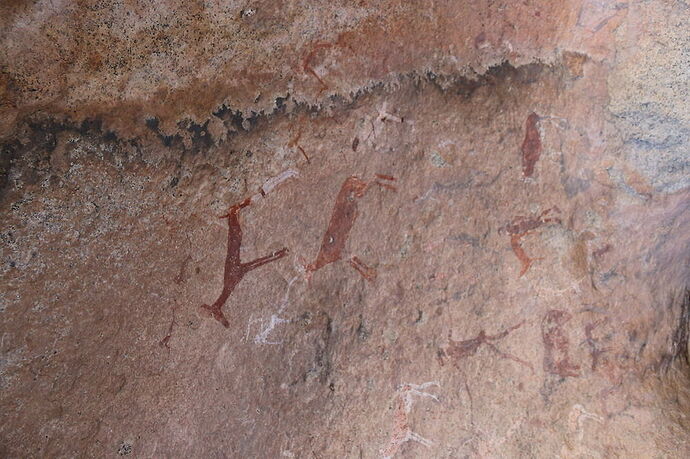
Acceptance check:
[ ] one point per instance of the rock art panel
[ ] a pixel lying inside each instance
(531, 198)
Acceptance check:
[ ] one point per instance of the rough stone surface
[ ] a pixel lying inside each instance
(485, 207)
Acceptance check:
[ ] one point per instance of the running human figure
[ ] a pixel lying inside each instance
(235, 270)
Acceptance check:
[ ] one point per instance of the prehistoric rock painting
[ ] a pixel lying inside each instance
(520, 227)
(165, 342)
(295, 143)
(342, 220)
(355, 143)
(556, 344)
(531, 145)
(235, 270)
(273, 182)
(269, 325)
(382, 117)
(402, 432)
(307, 66)
(314, 50)
(577, 417)
(458, 350)
(367, 272)
(595, 350)
(180, 278)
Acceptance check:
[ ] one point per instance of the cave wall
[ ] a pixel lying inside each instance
(470, 219)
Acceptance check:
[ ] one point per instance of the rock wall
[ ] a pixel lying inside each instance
(344, 229)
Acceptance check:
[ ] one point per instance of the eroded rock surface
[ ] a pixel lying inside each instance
(461, 229)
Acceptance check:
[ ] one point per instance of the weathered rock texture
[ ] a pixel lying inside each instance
(470, 221)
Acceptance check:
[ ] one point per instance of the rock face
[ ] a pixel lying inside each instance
(344, 229)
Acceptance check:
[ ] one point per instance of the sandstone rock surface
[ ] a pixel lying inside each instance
(461, 229)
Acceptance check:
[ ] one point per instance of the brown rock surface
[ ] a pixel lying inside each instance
(485, 207)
